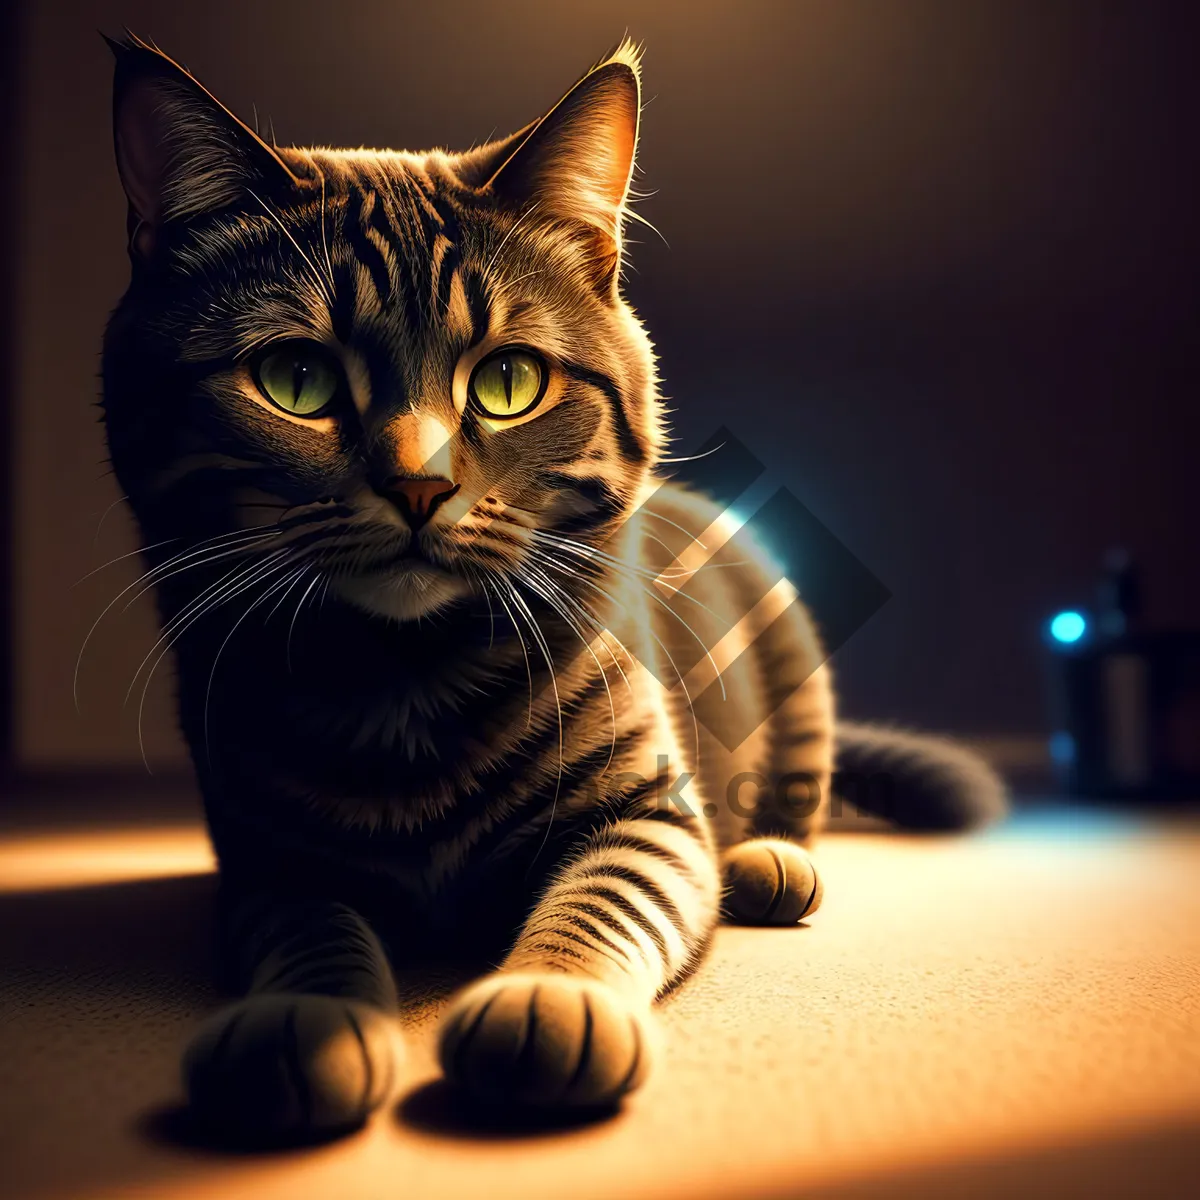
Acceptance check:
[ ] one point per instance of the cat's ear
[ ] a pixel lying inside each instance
(179, 151)
(576, 163)
(476, 167)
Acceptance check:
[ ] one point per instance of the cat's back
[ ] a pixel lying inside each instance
(735, 649)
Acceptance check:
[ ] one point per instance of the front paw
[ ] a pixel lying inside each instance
(770, 882)
(289, 1067)
(545, 1040)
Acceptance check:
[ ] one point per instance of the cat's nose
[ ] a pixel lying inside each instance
(418, 499)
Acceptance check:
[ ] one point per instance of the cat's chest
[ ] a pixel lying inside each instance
(350, 727)
(471, 875)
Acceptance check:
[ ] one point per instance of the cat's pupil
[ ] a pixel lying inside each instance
(299, 374)
(506, 375)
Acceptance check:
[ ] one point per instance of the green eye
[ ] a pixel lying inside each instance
(508, 383)
(299, 379)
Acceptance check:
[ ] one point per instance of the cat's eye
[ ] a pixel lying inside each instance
(508, 383)
(302, 378)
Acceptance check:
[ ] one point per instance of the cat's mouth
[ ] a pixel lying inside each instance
(405, 585)
(412, 557)
(413, 553)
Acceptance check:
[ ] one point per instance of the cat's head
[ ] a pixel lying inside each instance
(408, 373)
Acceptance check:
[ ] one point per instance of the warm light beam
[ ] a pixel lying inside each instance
(49, 862)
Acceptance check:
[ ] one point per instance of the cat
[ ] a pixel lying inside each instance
(392, 438)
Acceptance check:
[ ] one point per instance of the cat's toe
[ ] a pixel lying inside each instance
(289, 1067)
(545, 1041)
(770, 882)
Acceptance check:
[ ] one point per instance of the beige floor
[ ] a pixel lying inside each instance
(1014, 1012)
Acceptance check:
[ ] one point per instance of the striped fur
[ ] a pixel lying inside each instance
(473, 747)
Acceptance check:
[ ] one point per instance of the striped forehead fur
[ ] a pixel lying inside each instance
(401, 262)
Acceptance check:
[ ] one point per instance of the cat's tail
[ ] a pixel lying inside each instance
(915, 780)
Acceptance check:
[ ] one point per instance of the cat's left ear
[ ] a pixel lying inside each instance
(179, 151)
(576, 163)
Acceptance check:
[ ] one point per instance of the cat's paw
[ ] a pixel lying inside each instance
(289, 1067)
(545, 1041)
(770, 882)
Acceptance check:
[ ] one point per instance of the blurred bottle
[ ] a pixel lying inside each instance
(1125, 700)
(1120, 594)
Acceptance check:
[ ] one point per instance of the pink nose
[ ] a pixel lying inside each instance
(418, 499)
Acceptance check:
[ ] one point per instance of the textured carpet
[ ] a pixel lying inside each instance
(1017, 1011)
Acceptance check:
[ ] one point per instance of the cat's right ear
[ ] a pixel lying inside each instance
(179, 151)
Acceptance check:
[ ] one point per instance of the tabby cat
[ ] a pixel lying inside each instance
(390, 433)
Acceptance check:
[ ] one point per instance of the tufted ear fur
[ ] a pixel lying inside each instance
(179, 151)
(576, 163)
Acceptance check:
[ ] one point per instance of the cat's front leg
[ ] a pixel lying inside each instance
(566, 1020)
(310, 1050)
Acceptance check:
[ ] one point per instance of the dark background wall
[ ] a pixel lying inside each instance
(933, 261)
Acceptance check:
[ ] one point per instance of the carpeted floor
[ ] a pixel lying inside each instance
(1017, 1011)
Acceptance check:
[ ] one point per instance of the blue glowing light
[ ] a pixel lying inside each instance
(1068, 627)
(1062, 748)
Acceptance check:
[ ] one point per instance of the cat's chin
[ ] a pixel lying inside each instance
(404, 593)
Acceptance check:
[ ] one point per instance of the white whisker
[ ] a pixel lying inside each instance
(324, 289)
(103, 518)
(539, 637)
(693, 457)
(209, 601)
(686, 695)
(504, 240)
(121, 558)
(536, 582)
(295, 615)
(213, 673)
(147, 578)
(524, 651)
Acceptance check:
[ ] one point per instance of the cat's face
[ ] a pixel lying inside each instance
(409, 373)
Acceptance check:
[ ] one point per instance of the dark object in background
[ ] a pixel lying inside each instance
(1125, 701)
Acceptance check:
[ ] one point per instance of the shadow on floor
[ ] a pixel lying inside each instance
(437, 1108)
(140, 933)
(99, 987)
